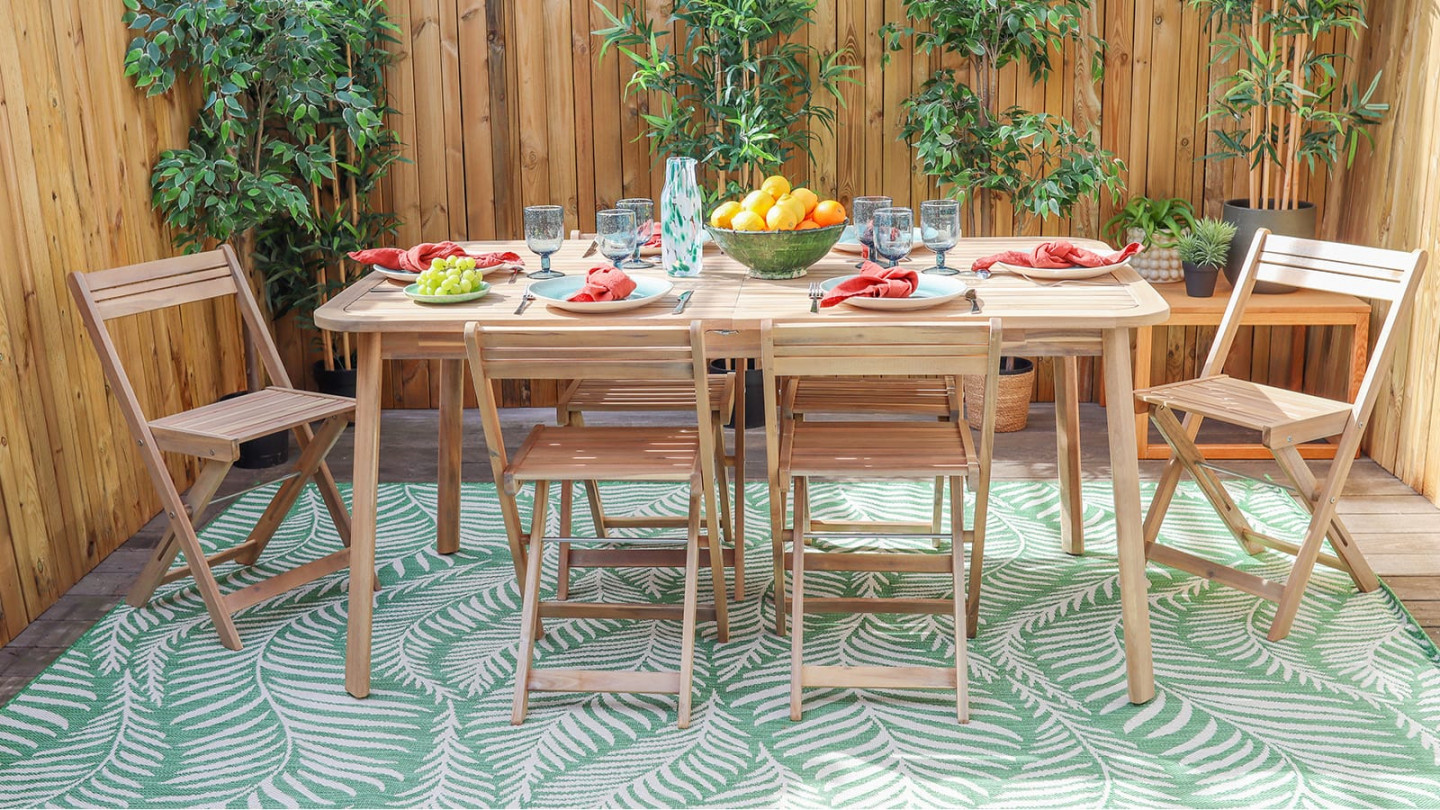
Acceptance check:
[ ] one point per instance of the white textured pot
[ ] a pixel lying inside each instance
(1155, 265)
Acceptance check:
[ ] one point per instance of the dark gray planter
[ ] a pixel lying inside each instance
(339, 382)
(1299, 221)
(1200, 281)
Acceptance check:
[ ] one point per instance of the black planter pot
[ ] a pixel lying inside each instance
(266, 451)
(339, 382)
(1200, 281)
(754, 395)
(1299, 221)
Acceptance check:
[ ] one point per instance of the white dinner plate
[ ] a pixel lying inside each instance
(1058, 273)
(556, 291)
(849, 244)
(932, 291)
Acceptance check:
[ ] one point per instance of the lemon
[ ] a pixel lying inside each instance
(775, 186)
(758, 203)
(782, 218)
(724, 213)
(795, 204)
(748, 221)
(806, 196)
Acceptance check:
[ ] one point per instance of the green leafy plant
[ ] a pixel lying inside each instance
(289, 139)
(1161, 221)
(977, 150)
(1207, 244)
(737, 94)
(1286, 106)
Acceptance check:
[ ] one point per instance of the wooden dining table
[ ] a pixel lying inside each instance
(1066, 320)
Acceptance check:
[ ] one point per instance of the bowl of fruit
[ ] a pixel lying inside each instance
(449, 281)
(776, 231)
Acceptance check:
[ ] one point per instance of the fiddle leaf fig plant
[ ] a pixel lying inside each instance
(977, 150)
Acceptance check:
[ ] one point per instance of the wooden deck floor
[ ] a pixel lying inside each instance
(1398, 529)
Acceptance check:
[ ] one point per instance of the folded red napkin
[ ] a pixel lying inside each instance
(488, 260)
(605, 284)
(415, 260)
(874, 281)
(1057, 255)
(654, 241)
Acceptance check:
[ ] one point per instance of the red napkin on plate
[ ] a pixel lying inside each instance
(415, 260)
(654, 240)
(1057, 255)
(605, 284)
(488, 260)
(874, 281)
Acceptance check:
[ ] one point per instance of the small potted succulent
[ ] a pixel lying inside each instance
(1156, 224)
(1203, 251)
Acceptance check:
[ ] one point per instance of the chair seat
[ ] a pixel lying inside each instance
(926, 396)
(606, 454)
(662, 395)
(216, 430)
(1283, 417)
(873, 449)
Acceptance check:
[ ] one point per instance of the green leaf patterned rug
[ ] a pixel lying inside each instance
(149, 709)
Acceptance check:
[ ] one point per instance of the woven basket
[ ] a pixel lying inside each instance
(1012, 407)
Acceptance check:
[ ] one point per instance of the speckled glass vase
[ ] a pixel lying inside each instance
(680, 203)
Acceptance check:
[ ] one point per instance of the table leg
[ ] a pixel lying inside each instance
(363, 511)
(1067, 433)
(741, 367)
(1144, 346)
(1129, 538)
(452, 410)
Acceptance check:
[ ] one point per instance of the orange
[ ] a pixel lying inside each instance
(781, 218)
(724, 213)
(829, 213)
(807, 224)
(758, 202)
(807, 197)
(795, 204)
(748, 221)
(775, 186)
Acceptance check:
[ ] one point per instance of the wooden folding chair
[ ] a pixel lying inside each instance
(213, 433)
(1285, 419)
(578, 397)
(568, 453)
(799, 450)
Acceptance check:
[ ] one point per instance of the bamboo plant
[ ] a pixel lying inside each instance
(736, 94)
(1286, 108)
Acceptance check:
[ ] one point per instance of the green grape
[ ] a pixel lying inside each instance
(437, 263)
(468, 263)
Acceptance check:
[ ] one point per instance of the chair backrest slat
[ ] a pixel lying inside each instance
(815, 350)
(585, 353)
(161, 284)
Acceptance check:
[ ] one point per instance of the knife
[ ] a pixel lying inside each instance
(590, 251)
(684, 299)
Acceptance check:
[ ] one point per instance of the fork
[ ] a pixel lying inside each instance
(815, 295)
(525, 301)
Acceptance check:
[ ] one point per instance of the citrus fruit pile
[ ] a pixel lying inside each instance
(775, 206)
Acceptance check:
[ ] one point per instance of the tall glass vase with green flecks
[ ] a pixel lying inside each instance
(680, 210)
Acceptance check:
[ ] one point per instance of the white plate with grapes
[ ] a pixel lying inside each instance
(440, 297)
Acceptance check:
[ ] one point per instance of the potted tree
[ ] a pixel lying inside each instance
(982, 154)
(1285, 109)
(1203, 251)
(1156, 224)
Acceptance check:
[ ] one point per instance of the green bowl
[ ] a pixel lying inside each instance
(777, 254)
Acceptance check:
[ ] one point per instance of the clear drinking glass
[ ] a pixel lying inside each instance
(544, 234)
(644, 227)
(940, 230)
(894, 233)
(862, 210)
(615, 233)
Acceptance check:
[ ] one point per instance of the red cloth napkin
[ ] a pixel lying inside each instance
(1057, 255)
(654, 241)
(415, 260)
(605, 284)
(874, 281)
(488, 260)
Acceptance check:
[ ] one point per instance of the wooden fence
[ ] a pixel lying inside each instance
(503, 104)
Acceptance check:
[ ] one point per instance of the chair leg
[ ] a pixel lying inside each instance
(777, 553)
(722, 486)
(530, 607)
(279, 507)
(977, 546)
(691, 604)
(797, 599)
(717, 558)
(1340, 539)
(1189, 456)
(962, 600)
(1320, 522)
(562, 582)
(938, 512)
(738, 518)
(212, 473)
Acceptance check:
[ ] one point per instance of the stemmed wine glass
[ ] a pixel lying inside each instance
(940, 230)
(894, 233)
(544, 233)
(644, 227)
(862, 210)
(615, 233)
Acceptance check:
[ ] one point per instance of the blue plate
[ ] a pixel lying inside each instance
(932, 291)
(557, 291)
